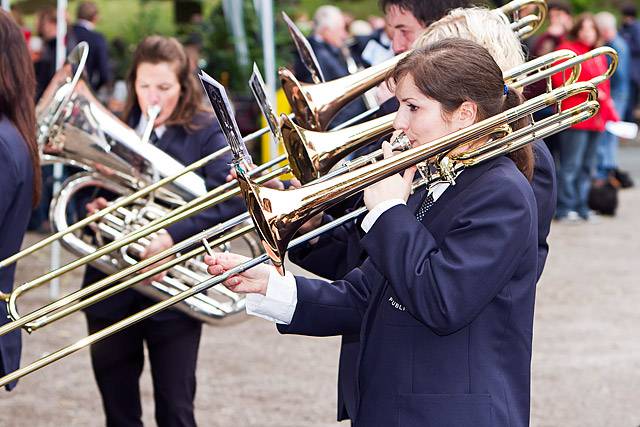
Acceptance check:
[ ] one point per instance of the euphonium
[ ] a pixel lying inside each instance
(77, 130)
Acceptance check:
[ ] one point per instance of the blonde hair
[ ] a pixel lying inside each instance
(490, 29)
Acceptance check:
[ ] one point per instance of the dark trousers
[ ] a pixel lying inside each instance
(118, 361)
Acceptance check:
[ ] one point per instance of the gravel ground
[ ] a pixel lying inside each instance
(586, 361)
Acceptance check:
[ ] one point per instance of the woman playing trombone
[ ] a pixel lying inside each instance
(444, 302)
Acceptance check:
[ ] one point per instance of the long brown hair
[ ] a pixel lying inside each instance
(17, 91)
(158, 49)
(454, 70)
(579, 22)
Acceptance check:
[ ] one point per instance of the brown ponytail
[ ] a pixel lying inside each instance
(523, 158)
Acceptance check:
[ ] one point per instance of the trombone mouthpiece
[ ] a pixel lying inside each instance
(401, 143)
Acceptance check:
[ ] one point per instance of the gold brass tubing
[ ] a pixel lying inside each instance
(19, 321)
(537, 65)
(604, 50)
(101, 213)
(514, 6)
(535, 131)
(278, 214)
(157, 307)
(130, 282)
(182, 212)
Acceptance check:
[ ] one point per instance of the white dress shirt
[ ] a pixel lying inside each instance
(279, 304)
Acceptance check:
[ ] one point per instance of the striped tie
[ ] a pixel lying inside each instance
(153, 138)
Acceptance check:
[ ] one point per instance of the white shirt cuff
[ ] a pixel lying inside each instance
(379, 209)
(280, 302)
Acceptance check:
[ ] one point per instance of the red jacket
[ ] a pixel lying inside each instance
(590, 69)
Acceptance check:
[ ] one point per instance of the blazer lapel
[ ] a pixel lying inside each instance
(462, 182)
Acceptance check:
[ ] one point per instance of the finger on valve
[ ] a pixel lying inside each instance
(96, 204)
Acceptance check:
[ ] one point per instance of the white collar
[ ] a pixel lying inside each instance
(86, 24)
(142, 124)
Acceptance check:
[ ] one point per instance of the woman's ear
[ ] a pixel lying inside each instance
(465, 115)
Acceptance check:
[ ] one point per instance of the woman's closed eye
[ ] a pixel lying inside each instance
(412, 107)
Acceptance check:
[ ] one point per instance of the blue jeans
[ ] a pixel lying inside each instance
(607, 155)
(577, 163)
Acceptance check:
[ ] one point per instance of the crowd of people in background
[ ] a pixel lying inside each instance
(586, 156)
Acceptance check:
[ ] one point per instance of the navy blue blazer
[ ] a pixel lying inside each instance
(443, 308)
(545, 189)
(97, 67)
(338, 252)
(16, 193)
(186, 147)
(333, 66)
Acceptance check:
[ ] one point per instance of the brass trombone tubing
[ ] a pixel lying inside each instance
(33, 320)
(61, 353)
(205, 199)
(514, 6)
(541, 128)
(157, 307)
(573, 62)
(125, 201)
(178, 214)
(83, 293)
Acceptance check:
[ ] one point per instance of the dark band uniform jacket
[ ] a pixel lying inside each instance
(333, 66)
(338, 252)
(443, 309)
(186, 148)
(98, 70)
(16, 192)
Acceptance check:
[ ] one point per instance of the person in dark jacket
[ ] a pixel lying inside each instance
(20, 165)
(159, 75)
(329, 44)
(334, 254)
(97, 67)
(444, 302)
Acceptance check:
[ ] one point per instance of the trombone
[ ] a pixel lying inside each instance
(315, 104)
(298, 97)
(34, 320)
(318, 196)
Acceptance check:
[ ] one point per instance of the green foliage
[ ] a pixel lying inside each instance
(219, 49)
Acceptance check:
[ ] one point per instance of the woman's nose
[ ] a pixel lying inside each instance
(153, 98)
(400, 123)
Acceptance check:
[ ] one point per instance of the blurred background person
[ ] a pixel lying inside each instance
(560, 23)
(620, 86)
(577, 154)
(630, 32)
(19, 162)
(329, 43)
(45, 67)
(406, 21)
(97, 68)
